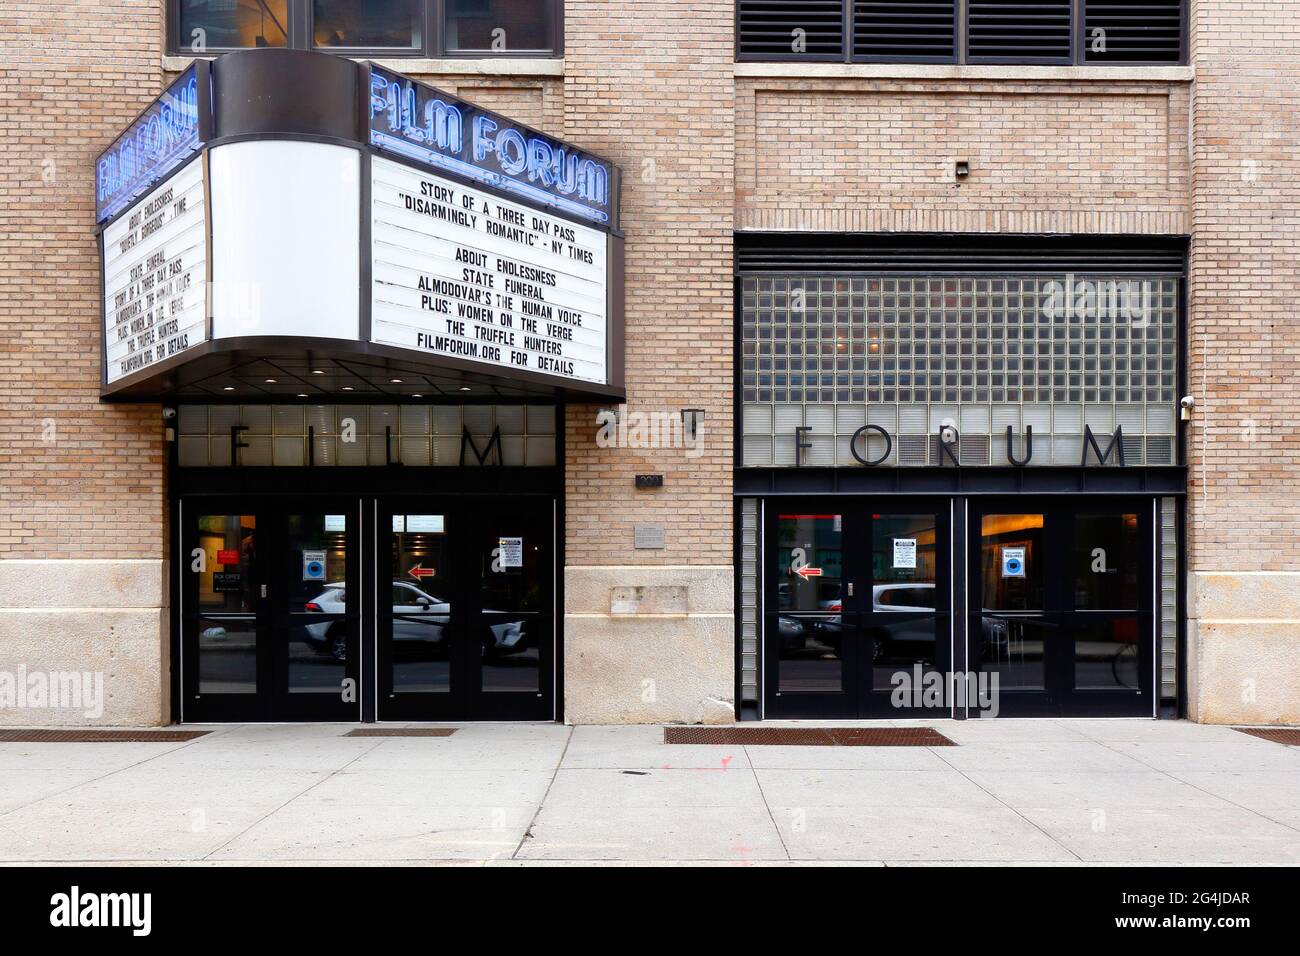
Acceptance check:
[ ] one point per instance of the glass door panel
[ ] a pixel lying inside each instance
(514, 623)
(1014, 628)
(904, 578)
(222, 614)
(1109, 620)
(417, 604)
(1106, 562)
(905, 617)
(316, 603)
(810, 626)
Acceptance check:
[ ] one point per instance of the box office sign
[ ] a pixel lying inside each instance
(488, 248)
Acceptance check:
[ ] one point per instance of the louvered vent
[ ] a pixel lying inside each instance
(905, 30)
(1025, 31)
(1121, 31)
(789, 29)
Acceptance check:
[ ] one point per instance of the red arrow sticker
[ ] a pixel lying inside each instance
(807, 573)
(418, 572)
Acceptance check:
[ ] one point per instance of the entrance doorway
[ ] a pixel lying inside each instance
(469, 631)
(353, 607)
(1055, 596)
(857, 593)
(267, 630)
(1062, 605)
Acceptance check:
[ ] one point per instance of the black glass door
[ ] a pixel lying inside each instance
(315, 604)
(904, 611)
(224, 630)
(469, 632)
(269, 609)
(858, 608)
(1062, 605)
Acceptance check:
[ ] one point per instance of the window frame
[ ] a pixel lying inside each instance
(961, 56)
(300, 25)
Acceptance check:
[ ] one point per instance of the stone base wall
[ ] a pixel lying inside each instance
(84, 643)
(1243, 647)
(649, 645)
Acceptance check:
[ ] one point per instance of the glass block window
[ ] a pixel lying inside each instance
(1168, 599)
(914, 354)
(344, 435)
(748, 618)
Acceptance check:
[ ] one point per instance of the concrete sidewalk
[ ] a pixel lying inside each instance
(1044, 791)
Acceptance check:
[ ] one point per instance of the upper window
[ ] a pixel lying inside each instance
(426, 28)
(1086, 32)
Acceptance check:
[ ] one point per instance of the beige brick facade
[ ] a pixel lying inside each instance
(710, 147)
(1244, 523)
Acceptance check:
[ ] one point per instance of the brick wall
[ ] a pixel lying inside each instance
(77, 478)
(651, 87)
(1245, 337)
(877, 155)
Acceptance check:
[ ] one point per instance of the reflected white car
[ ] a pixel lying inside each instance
(419, 617)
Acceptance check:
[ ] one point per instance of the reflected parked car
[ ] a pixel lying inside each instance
(419, 622)
(910, 640)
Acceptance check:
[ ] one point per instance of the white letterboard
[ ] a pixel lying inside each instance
(458, 272)
(155, 276)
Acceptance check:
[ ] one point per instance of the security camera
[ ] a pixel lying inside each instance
(1185, 404)
(169, 414)
(1187, 401)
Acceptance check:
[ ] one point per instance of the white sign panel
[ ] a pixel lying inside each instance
(1013, 562)
(431, 524)
(459, 273)
(905, 553)
(155, 275)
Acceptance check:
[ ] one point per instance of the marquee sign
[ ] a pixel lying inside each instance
(155, 276)
(478, 246)
(461, 273)
(163, 137)
(438, 130)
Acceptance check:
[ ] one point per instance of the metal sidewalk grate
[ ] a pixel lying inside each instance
(98, 736)
(1279, 735)
(809, 736)
(401, 732)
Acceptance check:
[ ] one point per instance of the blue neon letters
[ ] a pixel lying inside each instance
(440, 130)
(151, 147)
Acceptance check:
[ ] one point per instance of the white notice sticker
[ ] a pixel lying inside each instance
(512, 552)
(905, 553)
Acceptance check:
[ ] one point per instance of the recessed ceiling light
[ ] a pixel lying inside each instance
(318, 371)
(464, 388)
(229, 388)
(395, 381)
(270, 381)
(417, 395)
(302, 395)
(347, 388)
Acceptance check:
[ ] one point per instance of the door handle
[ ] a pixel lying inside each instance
(263, 590)
(850, 592)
